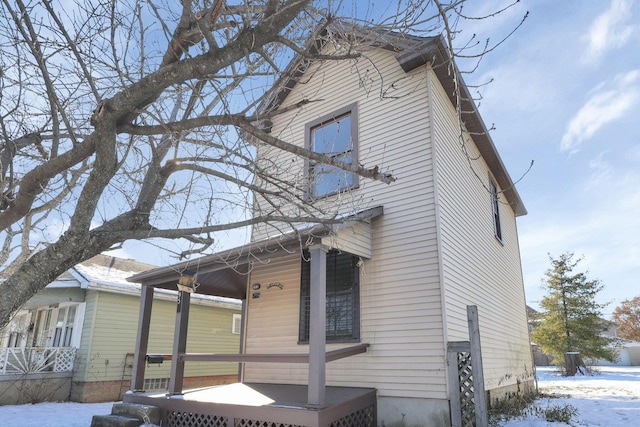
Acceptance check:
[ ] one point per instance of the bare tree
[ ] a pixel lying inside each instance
(139, 120)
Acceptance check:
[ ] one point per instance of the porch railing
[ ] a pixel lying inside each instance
(266, 358)
(30, 360)
(175, 385)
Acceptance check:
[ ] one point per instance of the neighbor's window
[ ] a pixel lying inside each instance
(343, 296)
(495, 205)
(18, 330)
(236, 326)
(334, 135)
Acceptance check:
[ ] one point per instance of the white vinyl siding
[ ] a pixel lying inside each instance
(478, 269)
(355, 239)
(428, 253)
(400, 297)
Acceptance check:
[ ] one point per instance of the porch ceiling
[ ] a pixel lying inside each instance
(225, 273)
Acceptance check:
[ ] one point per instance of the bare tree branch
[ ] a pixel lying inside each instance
(141, 120)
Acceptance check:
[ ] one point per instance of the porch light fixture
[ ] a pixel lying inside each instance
(187, 281)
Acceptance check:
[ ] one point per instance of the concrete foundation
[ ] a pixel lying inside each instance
(111, 391)
(34, 388)
(409, 412)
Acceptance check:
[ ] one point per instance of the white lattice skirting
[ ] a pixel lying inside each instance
(36, 359)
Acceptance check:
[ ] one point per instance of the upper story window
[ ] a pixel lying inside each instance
(495, 206)
(334, 135)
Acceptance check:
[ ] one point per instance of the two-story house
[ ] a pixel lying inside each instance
(365, 323)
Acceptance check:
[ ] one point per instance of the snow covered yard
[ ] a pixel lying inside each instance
(610, 398)
(64, 414)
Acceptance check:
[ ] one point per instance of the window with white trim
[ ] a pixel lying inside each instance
(59, 326)
(236, 326)
(334, 135)
(17, 331)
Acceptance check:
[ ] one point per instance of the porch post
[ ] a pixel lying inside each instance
(142, 338)
(179, 343)
(317, 325)
(482, 417)
(243, 314)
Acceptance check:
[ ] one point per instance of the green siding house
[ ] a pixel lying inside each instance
(75, 339)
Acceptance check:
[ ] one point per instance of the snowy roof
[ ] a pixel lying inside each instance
(110, 270)
(109, 274)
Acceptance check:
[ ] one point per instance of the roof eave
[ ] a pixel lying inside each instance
(434, 53)
(238, 258)
(413, 52)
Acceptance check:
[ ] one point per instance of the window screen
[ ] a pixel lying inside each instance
(342, 298)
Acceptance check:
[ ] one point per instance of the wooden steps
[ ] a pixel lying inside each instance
(128, 415)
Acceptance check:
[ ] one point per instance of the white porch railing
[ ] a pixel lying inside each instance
(31, 360)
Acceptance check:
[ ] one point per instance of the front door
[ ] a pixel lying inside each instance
(55, 327)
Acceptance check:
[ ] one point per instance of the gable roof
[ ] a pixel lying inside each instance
(411, 52)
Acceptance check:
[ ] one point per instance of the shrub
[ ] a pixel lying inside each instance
(527, 406)
(560, 413)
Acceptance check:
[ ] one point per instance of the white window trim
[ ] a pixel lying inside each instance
(236, 324)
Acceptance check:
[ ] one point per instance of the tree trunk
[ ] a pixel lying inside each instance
(573, 364)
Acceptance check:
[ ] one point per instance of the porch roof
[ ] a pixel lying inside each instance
(225, 273)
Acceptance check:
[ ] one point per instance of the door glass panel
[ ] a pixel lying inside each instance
(68, 330)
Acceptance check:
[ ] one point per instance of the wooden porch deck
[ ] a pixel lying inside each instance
(251, 404)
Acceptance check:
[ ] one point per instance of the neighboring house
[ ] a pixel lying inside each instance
(395, 286)
(628, 354)
(74, 340)
(628, 351)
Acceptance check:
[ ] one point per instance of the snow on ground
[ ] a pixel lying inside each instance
(609, 398)
(49, 414)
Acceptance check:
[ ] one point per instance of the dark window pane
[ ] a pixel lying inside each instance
(495, 205)
(342, 298)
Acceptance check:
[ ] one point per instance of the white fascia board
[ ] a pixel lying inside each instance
(84, 282)
(167, 295)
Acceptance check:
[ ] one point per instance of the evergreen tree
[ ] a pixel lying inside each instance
(571, 320)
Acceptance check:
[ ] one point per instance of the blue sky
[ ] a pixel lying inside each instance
(565, 93)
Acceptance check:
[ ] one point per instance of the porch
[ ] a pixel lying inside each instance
(244, 405)
(254, 403)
